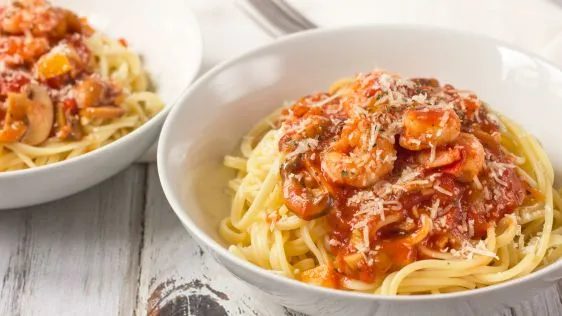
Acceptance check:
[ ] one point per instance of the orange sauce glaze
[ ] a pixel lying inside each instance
(464, 215)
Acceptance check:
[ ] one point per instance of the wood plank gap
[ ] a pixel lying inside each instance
(511, 311)
(559, 290)
(144, 202)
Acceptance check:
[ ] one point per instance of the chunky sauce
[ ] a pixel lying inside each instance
(43, 48)
(380, 196)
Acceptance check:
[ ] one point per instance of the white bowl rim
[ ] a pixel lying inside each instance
(224, 253)
(155, 120)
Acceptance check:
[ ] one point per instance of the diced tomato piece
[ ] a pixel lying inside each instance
(123, 42)
(53, 65)
(19, 50)
(12, 81)
(70, 105)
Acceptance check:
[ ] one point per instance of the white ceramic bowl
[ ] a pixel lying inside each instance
(222, 106)
(169, 41)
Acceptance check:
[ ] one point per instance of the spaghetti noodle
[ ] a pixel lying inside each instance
(93, 89)
(392, 186)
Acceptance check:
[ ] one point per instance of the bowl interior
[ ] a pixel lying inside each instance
(228, 101)
(170, 47)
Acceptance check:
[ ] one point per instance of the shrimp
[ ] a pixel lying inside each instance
(359, 158)
(366, 92)
(464, 159)
(29, 118)
(303, 194)
(310, 127)
(429, 128)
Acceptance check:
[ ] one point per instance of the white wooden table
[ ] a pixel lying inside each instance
(117, 248)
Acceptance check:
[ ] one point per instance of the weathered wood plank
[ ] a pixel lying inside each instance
(178, 277)
(76, 256)
(547, 303)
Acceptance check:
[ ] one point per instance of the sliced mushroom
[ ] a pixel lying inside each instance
(34, 107)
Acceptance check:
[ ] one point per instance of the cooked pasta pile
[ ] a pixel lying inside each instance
(393, 186)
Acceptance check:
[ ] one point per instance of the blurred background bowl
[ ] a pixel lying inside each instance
(168, 39)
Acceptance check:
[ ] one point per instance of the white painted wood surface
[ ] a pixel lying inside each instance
(117, 248)
(77, 256)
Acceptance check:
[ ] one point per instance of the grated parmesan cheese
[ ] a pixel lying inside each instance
(442, 221)
(384, 82)
(334, 242)
(366, 243)
(304, 146)
(325, 101)
(374, 133)
(405, 83)
(498, 180)
(369, 205)
(468, 250)
(419, 98)
(439, 188)
(434, 209)
(477, 182)
(470, 228)
(444, 119)
(432, 154)
(433, 176)
(486, 193)
(407, 175)
(445, 210)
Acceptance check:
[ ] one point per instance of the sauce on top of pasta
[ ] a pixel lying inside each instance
(400, 169)
(48, 85)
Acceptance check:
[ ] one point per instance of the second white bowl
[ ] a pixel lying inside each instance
(168, 39)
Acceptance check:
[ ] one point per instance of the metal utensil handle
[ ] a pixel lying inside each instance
(275, 17)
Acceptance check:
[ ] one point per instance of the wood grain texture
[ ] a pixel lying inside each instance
(76, 256)
(179, 278)
(547, 303)
(93, 254)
